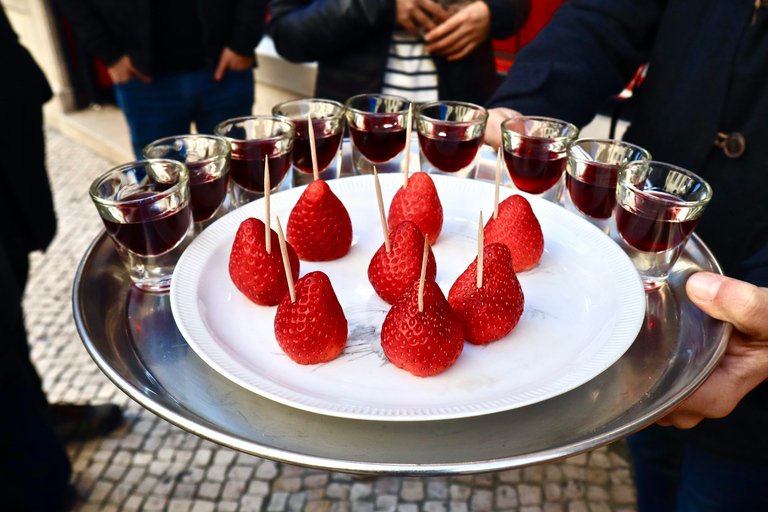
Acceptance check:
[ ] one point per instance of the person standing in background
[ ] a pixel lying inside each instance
(173, 62)
(412, 48)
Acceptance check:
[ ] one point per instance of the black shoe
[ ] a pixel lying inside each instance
(73, 422)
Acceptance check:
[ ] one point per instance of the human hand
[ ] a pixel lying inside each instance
(426, 13)
(123, 70)
(496, 116)
(231, 60)
(456, 37)
(745, 362)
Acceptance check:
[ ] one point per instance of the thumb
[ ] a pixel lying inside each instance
(740, 303)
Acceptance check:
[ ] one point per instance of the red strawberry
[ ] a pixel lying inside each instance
(418, 203)
(518, 228)
(392, 272)
(493, 310)
(313, 329)
(424, 343)
(259, 275)
(319, 227)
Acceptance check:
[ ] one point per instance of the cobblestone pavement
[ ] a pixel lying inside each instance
(150, 465)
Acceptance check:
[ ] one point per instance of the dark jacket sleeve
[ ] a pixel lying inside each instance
(306, 30)
(507, 17)
(250, 16)
(91, 30)
(588, 52)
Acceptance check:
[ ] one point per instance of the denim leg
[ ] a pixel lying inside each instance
(657, 461)
(159, 109)
(216, 101)
(710, 484)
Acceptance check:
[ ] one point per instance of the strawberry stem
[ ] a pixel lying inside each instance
(312, 147)
(381, 210)
(267, 228)
(423, 277)
(286, 260)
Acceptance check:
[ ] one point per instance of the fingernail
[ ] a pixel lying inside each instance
(704, 285)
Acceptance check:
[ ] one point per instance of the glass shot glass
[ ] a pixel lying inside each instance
(590, 181)
(450, 136)
(207, 159)
(535, 153)
(145, 207)
(657, 208)
(253, 139)
(328, 129)
(378, 127)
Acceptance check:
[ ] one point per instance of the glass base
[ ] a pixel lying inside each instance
(331, 172)
(605, 225)
(364, 166)
(654, 267)
(469, 171)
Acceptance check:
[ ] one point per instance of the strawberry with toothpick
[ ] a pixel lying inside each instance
(310, 325)
(255, 269)
(319, 227)
(416, 200)
(487, 296)
(397, 263)
(421, 333)
(515, 225)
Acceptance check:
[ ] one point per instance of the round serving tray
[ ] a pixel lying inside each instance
(133, 338)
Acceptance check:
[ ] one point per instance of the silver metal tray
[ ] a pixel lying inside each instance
(133, 338)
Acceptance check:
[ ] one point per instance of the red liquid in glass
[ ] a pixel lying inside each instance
(206, 192)
(380, 139)
(534, 169)
(326, 146)
(594, 192)
(451, 153)
(651, 230)
(149, 233)
(247, 165)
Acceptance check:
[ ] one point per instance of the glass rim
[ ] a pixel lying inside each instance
(212, 136)
(377, 95)
(610, 142)
(173, 189)
(569, 126)
(669, 167)
(420, 112)
(335, 103)
(284, 121)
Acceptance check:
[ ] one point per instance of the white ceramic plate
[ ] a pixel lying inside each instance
(584, 305)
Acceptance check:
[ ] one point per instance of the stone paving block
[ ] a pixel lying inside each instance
(251, 503)
(359, 491)
(531, 508)
(115, 472)
(460, 492)
(458, 506)
(242, 473)
(623, 494)
(578, 506)
(203, 506)
(341, 506)
(534, 474)
(317, 480)
(529, 494)
(506, 496)
(133, 503)
(412, 490)
(337, 490)
(184, 491)
(179, 505)
(209, 490)
(296, 501)
(553, 491)
(597, 493)
(202, 457)
(434, 506)
(258, 488)
(277, 502)
(224, 457)
(408, 507)
(437, 489)
(600, 506)
(267, 470)
(155, 504)
(386, 502)
(511, 476)
(134, 475)
(120, 493)
(100, 491)
(318, 506)
(553, 507)
(233, 490)
(481, 500)
(227, 506)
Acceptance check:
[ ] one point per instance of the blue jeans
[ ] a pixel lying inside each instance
(674, 477)
(169, 104)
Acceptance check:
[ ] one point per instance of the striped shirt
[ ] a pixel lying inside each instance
(410, 72)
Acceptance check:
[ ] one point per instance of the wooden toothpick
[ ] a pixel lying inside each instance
(286, 260)
(480, 252)
(267, 186)
(498, 183)
(423, 277)
(312, 148)
(407, 159)
(383, 217)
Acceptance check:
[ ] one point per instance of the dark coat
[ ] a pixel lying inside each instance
(350, 41)
(110, 29)
(589, 52)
